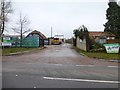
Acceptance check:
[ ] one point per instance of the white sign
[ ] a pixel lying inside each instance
(112, 48)
(6, 44)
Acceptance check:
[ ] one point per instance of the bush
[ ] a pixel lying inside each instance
(96, 47)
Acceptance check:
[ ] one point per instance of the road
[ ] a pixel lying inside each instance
(58, 66)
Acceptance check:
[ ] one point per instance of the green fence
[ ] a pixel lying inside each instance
(32, 41)
(15, 42)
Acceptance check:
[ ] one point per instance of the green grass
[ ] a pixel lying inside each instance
(7, 51)
(99, 55)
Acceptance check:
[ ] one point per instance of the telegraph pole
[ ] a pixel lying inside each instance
(51, 32)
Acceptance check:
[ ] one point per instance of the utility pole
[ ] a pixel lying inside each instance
(51, 32)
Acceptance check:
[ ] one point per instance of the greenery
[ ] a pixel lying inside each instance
(7, 51)
(96, 47)
(82, 32)
(113, 16)
(99, 55)
(5, 10)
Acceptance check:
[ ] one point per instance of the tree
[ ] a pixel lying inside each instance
(22, 27)
(82, 32)
(76, 33)
(113, 16)
(5, 10)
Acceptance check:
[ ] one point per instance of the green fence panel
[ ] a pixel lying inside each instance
(31, 41)
(15, 42)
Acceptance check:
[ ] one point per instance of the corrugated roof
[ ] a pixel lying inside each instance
(39, 33)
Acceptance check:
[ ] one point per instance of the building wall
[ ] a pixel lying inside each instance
(111, 41)
(50, 41)
(81, 44)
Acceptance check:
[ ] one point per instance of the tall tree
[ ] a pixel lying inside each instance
(113, 17)
(5, 10)
(22, 27)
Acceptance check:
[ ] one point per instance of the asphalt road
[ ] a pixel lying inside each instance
(58, 66)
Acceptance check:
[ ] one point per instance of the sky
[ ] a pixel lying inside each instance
(62, 15)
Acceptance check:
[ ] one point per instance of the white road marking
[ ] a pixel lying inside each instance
(80, 80)
(85, 65)
(29, 63)
(53, 64)
(113, 66)
(35, 87)
(57, 64)
(16, 75)
(75, 65)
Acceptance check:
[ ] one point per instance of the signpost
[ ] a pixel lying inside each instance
(112, 48)
(6, 41)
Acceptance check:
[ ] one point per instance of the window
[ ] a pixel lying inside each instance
(108, 38)
(113, 37)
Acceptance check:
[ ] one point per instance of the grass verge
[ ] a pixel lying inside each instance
(8, 51)
(99, 55)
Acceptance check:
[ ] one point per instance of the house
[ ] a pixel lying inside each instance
(100, 37)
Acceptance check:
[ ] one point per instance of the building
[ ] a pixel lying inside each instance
(43, 40)
(101, 37)
(37, 33)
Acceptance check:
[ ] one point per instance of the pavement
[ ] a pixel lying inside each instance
(58, 66)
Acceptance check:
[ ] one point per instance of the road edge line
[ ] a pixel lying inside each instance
(80, 80)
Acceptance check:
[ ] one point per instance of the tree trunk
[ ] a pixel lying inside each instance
(21, 37)
(3, 18)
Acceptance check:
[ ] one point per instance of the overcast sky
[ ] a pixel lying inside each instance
(62, 15)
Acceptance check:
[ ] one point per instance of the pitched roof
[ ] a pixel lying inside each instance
(95, 33)
(39, 33)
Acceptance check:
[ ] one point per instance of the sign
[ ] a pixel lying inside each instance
(112, 48)
(6, 41)
(6, 44)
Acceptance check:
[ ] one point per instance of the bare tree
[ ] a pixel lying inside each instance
(22, 27)
(5, 10)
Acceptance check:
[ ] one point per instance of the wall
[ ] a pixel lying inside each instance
(50, 41)
(111, 41)
(81, 44)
